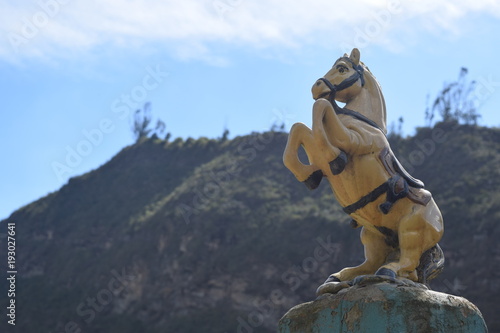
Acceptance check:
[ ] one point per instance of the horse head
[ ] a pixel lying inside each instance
(349, 81)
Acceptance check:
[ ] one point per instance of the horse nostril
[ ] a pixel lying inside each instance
(318, 83)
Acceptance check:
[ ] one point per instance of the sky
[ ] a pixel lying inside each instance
(73, 72)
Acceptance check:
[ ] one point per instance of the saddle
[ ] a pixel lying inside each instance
(416, 191)
(400, 185)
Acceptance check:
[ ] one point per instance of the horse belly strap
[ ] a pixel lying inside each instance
(395, 187)
(366, 199)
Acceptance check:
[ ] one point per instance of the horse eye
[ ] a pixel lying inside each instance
(341, 69)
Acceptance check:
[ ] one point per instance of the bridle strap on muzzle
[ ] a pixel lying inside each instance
(358, 74)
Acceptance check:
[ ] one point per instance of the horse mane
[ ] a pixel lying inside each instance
(378, 109)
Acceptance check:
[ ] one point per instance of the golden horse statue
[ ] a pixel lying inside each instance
(401, 223)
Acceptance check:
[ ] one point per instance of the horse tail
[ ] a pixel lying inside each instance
(431, 264)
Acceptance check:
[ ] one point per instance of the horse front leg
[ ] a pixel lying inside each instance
(310, 174)
(330, 133)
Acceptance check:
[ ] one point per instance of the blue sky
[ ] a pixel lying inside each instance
(72, 71)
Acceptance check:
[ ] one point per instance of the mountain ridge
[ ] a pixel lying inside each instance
(219, 235)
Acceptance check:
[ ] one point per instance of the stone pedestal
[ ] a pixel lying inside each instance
(371, 305)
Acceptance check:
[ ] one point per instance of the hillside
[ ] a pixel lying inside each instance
(218, 236)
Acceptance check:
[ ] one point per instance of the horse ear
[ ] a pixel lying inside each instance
(346, 55)
(355, 56)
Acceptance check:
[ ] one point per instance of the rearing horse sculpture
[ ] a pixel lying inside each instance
(401, 223)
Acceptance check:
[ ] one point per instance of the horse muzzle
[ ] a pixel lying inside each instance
(320, 90)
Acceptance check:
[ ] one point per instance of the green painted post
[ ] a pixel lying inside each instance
(384, 307)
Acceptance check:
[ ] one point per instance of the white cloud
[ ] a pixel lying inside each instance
(188, 27)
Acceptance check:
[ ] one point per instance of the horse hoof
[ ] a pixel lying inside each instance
(338, 164)
(386, 272)
(332, 278)
(312, 182)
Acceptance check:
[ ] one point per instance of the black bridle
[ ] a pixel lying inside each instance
(334, 88)
(358, 75)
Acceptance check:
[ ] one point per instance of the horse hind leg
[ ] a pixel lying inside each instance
(415, 237)
(376, 251)
(310, 174)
